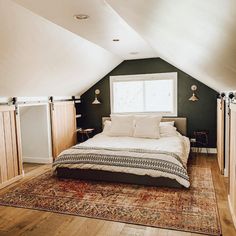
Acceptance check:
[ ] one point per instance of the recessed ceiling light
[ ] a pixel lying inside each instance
(115, 40)
(134, 53)
(81, 17)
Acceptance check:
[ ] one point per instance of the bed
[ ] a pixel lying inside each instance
(153, 162)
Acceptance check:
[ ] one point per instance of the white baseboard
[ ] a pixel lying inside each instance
(38, 160)
(232, 213)
(204, 150)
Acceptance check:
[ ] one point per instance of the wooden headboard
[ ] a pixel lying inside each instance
(180, 123)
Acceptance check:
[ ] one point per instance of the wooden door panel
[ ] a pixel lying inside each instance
(9, 146)
(233, 161)
(63, 126)
(234, 201)
(3, 159)
(220, 133)
(14, 144)
(232, 170)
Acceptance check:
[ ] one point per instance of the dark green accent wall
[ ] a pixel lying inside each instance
(201, 115)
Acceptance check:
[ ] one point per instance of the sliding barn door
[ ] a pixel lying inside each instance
(220, 133)
(232, 170)
(63, 126)
(10, 145)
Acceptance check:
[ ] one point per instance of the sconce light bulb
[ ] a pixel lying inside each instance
(194, 87)
(97, 91)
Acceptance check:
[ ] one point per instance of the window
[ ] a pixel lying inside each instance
(147, 93)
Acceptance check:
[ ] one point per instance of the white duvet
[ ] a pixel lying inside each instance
(177, 144)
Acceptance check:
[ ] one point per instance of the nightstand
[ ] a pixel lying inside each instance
(84, 133)
(201, 140)
(193, 147)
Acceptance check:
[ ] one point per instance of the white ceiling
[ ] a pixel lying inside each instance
(39, 58)
(102, 26)
(197, 36)
(45, 51)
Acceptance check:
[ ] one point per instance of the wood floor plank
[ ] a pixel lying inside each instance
(26, 222)
(178, 233)
(28, 167)
(133, 230)
(47, 224)
(90, 227)
(156, 232)
(111, 228)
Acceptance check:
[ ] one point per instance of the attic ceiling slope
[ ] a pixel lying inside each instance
(101, 27)
(39, 58)
(198, 37)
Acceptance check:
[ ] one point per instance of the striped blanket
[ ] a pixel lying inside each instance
(133, 161)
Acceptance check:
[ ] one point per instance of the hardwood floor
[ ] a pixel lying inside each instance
(30, 166)
(17, 221)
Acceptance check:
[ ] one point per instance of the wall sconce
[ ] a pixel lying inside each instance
(193, 98)
(96, 101)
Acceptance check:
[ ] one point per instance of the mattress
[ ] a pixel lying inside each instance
(165, 157)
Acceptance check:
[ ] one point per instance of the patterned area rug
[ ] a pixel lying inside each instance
(193, 209)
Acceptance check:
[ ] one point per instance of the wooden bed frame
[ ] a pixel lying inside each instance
(100, 175)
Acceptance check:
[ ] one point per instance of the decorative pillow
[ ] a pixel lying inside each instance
(147, 126)
(168, 131)
(107, 127)
(122, 125)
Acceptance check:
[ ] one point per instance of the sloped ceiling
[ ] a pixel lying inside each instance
(198, 37)
(45, 51)
(39, 58)
(102, 26)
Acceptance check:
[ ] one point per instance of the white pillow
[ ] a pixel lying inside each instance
(147, 126)
(107, 127)
(168, 131)
(164, 123)
(122, 125)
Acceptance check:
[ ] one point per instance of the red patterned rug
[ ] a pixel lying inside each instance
(193, 209)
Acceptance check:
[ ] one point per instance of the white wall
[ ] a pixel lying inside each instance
(35, 134)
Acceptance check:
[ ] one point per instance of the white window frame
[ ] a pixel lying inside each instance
(157, 76)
